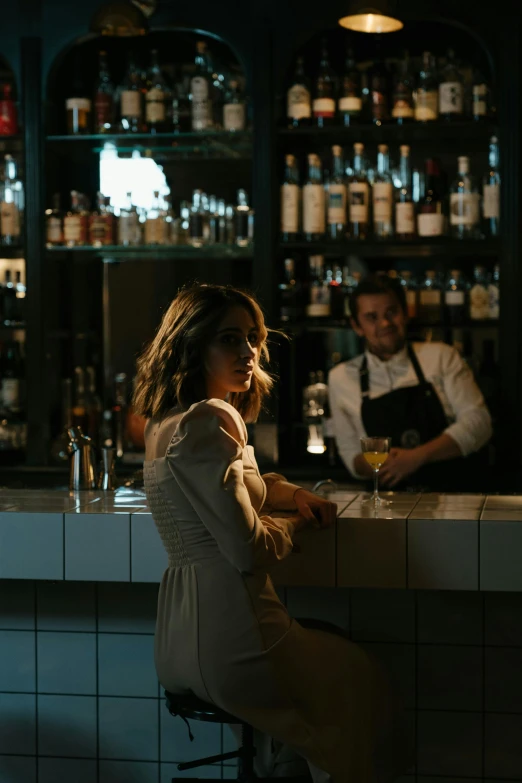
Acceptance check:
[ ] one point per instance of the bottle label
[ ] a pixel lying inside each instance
(429, 298)
(130, 103)
(479, 302)
(298, 102)
(464, 209)
(405, 217)
(479, 100)
(402, 108)
(324, 107)
(54, 230)
(430, 224)
(100, 229)
(336, 204)
(494, 300)
(234, 116)
(9, 219)
(454, 298)
(450, 98)
(11, 393)
(201, 104)
(103, 109)
(426, 106)
(313, 209)
(290, 208)
(78, 104)
(358, 193)
(155, 105)
(350, 104)
(154, 231)
(382, 202)
(491, 201)
(73, 228)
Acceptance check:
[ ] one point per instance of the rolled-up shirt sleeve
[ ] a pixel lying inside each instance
(346, 432)
(472, 426)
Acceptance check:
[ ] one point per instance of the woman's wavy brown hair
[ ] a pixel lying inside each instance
(170, 369)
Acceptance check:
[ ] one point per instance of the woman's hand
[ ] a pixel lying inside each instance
(317, 511)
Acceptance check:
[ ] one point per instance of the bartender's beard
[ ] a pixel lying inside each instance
(385, 349)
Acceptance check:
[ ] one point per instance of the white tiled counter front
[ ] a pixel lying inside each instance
(427, 542)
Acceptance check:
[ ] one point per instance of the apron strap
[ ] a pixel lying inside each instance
(364, 378)
(416, 366)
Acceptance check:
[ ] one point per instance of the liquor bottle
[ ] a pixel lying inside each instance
(379, 89)
(291, 306)
(455, 299)
(8, 113)
(156, 96)
(319, 292)
(464, 203)
(78, 110)
(382, 193)
(244, 220)
(480, 97)
(494, 293)
(491, 192)
(334, 279)
(131, 100)
(180, 109)
(314, 201)
(197, 230)
(101, 223)
(430, 299)
(155, 223)
(451, 90)
(402, 99)
(479, 295)
(11, 204)
(54, 223)
(427, 92)
(129, 232)
(75, 222)
(350, 102)
(217, 80)
(9, 303)
(12, 375)
(234, 108)
(21, 292)
(298, 98)
(410, 289)
(171, 222)
(103, 98)
(290, 201)
(325, 89)
(430, 217)
(336, 197)
(201, 91)
(404, 205)
(358, 196)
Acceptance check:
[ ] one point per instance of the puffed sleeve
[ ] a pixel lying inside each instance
(206, 459)
(279, 491)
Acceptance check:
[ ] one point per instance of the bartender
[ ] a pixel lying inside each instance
(422, 395)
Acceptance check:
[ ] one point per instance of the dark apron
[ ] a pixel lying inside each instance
(412, 416)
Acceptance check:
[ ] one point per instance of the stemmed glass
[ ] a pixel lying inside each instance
(375, 451)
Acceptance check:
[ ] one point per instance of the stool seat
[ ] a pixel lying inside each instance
(186, 705)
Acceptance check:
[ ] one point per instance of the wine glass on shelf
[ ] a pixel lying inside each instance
(375, 452)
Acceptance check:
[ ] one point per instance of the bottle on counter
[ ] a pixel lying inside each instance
(349, 104)
(404, 205)
(402, 100)
(336, 197)
(382, 195)
(234, 108)
(54, 223)
(358, 196)
(314, 201)
(299, 98)
(464, 203)
(131, 100)
(103, 98)
(491, 192)
(479, 295)
(451, 90)
(11, 204)
(430, 216)
(427, 92)
(325, 91)
(157, 96)
(455, 299)
(430, 299)
(201, 91)
(290, 201)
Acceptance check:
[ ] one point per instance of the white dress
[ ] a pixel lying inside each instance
(222, 632)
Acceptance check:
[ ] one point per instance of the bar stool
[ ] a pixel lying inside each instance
(190, 707)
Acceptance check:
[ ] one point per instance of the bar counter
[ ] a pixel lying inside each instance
(425, 541)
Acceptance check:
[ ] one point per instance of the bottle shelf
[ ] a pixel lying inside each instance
(211, 144)
(324, 325)
(118, 253)
(414, 131)
(398, 249)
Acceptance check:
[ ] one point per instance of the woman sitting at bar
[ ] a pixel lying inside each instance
(222, 633)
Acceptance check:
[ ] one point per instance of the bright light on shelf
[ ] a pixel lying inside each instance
(137, 175)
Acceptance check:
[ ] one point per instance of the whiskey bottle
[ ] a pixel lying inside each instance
(298, 98)
(11, 204)
(75, 222)
(129, 232)
(382, 193)
(101, 223)
(234, 108)
(464, 203)
(430, 299)
(479, 295)
(404, 206)
(358, 196)
(325, 89)
(314, 201)
(54, 223)
(451, 90)
(290, 201)
(103, 98)
(156, 97)
(427, 92)
(349, 104)
(455, 299)
(131, 100)
(379, 89)
(201, 91)
(197, 219)
(319, 292)
(430, 217)
(155, 223)
(402, 100)
(336, 197)
(491, 192)
(244, 220)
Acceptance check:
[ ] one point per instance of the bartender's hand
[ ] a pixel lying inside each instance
(400, 464)
(317, 510)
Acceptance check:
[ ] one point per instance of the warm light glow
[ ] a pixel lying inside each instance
(371, 23)
(315, 443)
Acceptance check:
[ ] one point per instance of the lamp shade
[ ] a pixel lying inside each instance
(120, 19)
(377, 18)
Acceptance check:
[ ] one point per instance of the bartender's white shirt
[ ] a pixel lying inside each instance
(469, 421)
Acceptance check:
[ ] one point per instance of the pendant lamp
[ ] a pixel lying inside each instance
(379, 17)
(122, 18)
